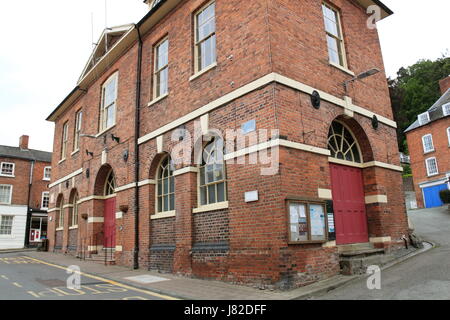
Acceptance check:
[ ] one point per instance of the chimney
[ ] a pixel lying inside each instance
(445, 84)
(23, 142)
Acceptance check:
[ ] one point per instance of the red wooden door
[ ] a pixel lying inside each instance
(349, 205)
(109, 224)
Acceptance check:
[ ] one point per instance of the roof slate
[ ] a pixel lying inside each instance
(436, 112)
(26, 154)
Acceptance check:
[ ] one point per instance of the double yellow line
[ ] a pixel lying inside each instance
(150, 293)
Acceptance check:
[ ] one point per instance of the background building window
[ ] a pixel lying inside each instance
(45, 200)
(109, 97)
(213, 187)
(335, 39)
(161, 76)
(76, 139)
(65, 138)
(428, 143)
(205, 37)
(166, 186)
(446, 109)
(424, 118)
(432, 167)
(7, 169)
(5, 194)
(47, 173)
(6, 224)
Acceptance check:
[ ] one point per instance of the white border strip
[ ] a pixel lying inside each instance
(70, 176)
(185, 170)
(261, 82)
(125, 187)
(146, 182)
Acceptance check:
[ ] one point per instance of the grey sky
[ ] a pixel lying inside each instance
(46, 43)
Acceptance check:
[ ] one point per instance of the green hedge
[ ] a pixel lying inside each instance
(445, 196)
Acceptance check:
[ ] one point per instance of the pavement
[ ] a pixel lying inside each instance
(424, 277)
(143, 284)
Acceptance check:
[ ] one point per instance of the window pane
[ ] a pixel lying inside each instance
(221, 192)
(212, 194)
(160, 209)
(172, 184)
(203, 196)
(172, 202)
(110, 92)
(202, 176)
(5, 192)
(208, 52)
(166, 202)
(163, 78)
(110, 116)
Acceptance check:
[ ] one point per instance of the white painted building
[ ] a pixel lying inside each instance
(12, 226)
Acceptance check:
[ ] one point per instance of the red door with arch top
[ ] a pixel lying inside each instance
(109, 224)
(349, 204)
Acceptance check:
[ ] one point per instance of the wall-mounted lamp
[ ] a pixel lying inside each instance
(360, 76)
(114, 138)
(89, 153)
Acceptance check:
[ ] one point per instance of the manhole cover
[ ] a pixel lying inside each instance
(147, 279)
(52, 283)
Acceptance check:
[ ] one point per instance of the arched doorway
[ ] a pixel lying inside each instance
(347, 185)
(109, 223)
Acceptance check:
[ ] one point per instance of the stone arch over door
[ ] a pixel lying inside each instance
(349, 150)
(103, 222)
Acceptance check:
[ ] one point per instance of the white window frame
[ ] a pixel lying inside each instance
(419, 117)
(340, 38)
(13, 169)
(448, 135)
(157, 72)
(45, 193)
(103, 118)
(65, 140)
(45, 171)
(425, 150)
(428, 167)
(446, 109)
(12, 225)
(197, 44)
(77, 130)
(10, 193)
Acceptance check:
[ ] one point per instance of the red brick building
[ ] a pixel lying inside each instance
(429, 146)
(24, 195)
(309, 163)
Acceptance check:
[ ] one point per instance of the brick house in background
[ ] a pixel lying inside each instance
(429, 146)
(24, 195)
(192, 68)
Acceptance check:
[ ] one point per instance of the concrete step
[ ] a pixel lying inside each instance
(355, 247)
(362, 253)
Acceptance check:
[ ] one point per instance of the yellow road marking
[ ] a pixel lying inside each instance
(18, 285)
(33, 294)
(5, 277)
(150, 293)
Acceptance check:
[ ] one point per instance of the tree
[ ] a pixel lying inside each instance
(414, 91)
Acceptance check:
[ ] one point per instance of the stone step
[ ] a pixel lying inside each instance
(362, 253)
(355, 247)
(359, 265)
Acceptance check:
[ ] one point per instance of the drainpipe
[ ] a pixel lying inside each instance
(28, 223)
(137, 123)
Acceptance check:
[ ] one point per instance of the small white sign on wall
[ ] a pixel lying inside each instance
(251, 196)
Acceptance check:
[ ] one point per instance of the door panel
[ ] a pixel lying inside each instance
(349, 204)
(431, 196)
(109, 225)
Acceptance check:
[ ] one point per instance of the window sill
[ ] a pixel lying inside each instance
(6, 176)
(61, 161)
(156, 100)
(433, 175)
(44, 209)
(211, 207)
(46, 180)
(164, 215)
(59, 229)
(75, 152)
(427, 152)
(201, 72)
(73, 227)
(104, 131)
(5, 204)
(342, 68)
